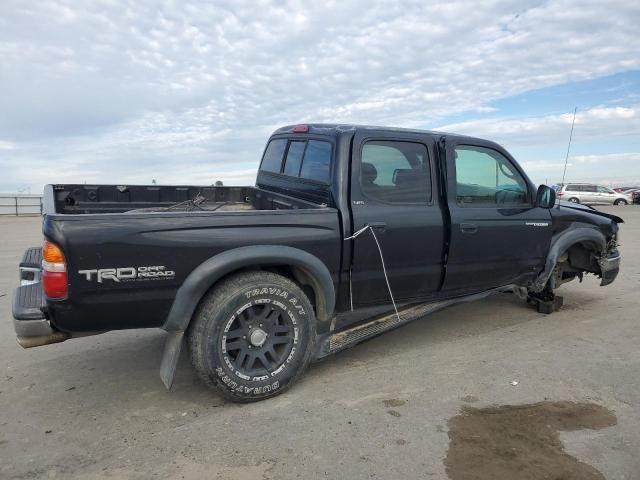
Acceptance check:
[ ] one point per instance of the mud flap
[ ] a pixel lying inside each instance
(170, 357)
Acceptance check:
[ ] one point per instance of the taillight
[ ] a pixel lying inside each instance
(301, 129)
(559, 194)
(54, 271)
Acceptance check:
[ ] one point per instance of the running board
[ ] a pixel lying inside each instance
(352, 336)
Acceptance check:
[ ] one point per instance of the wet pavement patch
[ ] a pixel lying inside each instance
(521, 441)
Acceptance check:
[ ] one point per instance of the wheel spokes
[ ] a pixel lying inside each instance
(251, 357)
(242, 356)
(237, 333)
(237, 345)
(263, 360)
(272, 353)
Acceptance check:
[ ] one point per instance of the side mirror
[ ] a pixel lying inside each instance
(545, 197)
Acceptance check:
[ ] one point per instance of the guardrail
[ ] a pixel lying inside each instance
(19, 205)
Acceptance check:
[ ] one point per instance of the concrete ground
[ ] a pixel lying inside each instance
(96, 408)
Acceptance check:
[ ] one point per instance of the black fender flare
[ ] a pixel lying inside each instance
(209, 272)
(560, 244)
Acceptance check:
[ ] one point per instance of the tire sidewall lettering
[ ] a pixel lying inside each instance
(278, 292)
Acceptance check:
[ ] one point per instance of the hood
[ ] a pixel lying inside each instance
(586, 208)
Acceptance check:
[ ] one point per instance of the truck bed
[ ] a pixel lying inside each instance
(114, 227)
(91, 199)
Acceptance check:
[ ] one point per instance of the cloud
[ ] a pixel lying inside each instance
(525, 137)
(118, 90)
(607, 169)
(591, 123)
(610, 158)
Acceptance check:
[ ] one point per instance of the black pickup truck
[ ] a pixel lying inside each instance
(350, 231)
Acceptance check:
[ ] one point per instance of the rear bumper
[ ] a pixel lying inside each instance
(32, 327)
(29, 321)
(609, 267)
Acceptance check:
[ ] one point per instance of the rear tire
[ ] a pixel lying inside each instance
(621, 201)
(574, 200)
(252, 336)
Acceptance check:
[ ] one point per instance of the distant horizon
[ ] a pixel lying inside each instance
(607, 183)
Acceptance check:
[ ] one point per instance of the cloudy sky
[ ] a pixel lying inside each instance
(181, 92)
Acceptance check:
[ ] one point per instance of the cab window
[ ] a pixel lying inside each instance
(272, 158)
(395, 171)
(485, 177)
(316, 164)
(294, 158)
(308, 159)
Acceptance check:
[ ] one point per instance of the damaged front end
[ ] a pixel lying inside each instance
(587, 257)
(609, 262)
(586, 242)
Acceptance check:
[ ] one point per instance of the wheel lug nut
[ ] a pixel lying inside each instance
(244, 337)
(260, 325)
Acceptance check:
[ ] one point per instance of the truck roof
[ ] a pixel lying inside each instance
(336, 129)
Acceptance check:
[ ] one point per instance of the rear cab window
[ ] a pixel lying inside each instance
(308, 159)
(272, 158)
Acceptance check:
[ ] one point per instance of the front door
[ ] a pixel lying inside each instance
(498, 236)
(393, 187)
(605, 195)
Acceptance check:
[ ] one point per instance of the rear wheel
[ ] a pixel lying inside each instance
(574, 200)
(621, 201)
(252, 336)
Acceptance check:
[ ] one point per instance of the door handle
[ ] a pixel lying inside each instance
(468, 228)
(381, 226)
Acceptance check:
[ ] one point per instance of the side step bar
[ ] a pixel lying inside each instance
(352, 336)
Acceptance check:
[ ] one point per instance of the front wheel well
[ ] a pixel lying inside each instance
(579, 249)
(582, 255)
(579, 258)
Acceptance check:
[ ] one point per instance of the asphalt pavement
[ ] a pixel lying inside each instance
(95, 408)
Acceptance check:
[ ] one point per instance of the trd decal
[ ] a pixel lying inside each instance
(123, 274)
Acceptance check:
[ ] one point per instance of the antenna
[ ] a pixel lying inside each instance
(566, 158)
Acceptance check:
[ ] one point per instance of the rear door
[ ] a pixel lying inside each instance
(498, 236)
(589, 194)
(393, 187)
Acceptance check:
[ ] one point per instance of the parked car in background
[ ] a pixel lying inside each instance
(625, 189)
(633, 192)
(591, 194)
